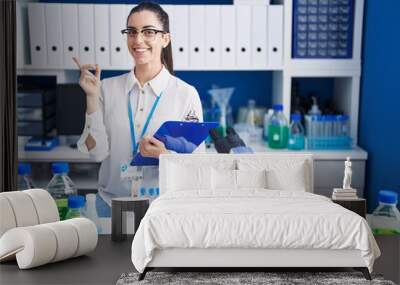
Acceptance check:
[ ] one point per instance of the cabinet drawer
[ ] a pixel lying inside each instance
(35, 114)
(35, 98)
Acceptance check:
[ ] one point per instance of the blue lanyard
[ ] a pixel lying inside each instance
(131, 121)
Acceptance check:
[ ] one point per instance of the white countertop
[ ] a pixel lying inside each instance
(66, 153)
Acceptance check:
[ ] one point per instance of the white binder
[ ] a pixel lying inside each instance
(275, 36)
(213, 36)
(228, 36)
(102, 35)
(181, 30)
(37, 33)
(119, 51)
(86, 33)
(70, 33)
(259, 37)
(54, 35)
(169, 9)
(243, 35)
(197, 36)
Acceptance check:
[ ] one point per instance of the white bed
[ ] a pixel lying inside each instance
(215, 212)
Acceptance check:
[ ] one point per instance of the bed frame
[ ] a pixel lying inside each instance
(245, 259)
(240, 259)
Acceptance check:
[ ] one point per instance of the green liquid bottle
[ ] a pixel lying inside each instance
(385, 219)
(278, 130)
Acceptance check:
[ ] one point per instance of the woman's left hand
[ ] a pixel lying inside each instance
(151, 147)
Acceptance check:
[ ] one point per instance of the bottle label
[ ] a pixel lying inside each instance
(275, 137)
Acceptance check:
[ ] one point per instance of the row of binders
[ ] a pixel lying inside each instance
(202, 36)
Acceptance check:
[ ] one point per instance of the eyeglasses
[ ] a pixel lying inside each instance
(147, 34)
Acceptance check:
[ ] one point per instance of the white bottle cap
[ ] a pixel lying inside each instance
(91, 197)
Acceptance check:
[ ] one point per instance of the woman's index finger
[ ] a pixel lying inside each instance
(77, 62)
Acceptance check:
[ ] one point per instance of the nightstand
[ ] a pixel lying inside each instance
(357, 205)
(119, 206)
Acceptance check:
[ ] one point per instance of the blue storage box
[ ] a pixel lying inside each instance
(323, 29)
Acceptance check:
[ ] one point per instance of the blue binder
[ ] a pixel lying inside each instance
(181, 137)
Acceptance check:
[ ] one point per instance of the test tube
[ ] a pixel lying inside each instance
(309, 129)
(319, 131)
(336, 126)
(345, 125)
(331, 120)
(315, 127)
(325, 125)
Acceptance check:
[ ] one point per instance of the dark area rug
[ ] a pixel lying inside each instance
(228, 278)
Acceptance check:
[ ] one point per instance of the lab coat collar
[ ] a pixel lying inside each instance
(157, 84)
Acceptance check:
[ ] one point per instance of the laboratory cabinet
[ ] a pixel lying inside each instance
(214, 37)
(250, 36)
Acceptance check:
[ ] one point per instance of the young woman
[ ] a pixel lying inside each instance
(123, 112)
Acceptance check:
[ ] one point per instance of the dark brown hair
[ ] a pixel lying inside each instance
(166, 53)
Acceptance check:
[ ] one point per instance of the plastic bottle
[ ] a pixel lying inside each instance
(142, 192)
(385, 219)
(267, 117)
(314, 110)
(60, 187)
(250, 119)
(278, 128)
(151, 193)
(76, 204)
(296, 133)
(24, 177)
(90, 211)
(344, 125)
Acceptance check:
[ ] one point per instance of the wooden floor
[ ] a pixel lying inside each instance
(103, 266)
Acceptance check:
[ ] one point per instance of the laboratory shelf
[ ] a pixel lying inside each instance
(59, 153)
(356, 153)
(29, 69)
(68, 154)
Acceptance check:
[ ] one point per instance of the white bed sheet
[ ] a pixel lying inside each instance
(251, 218)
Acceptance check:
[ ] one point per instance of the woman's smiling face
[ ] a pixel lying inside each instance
(144, 46)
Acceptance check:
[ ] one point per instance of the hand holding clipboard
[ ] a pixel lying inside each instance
(181, 137)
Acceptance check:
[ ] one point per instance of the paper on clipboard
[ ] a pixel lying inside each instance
(178, 136)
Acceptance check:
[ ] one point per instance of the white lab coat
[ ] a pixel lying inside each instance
(109, 126)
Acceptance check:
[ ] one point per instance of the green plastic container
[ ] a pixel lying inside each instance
(278, 130)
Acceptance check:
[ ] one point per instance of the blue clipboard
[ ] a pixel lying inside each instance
(179, 136)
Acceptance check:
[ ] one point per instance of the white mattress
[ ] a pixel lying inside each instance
(252, 218)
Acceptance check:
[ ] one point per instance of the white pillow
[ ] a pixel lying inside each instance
(223, 179)
(188, 177)
(290, 179)
(251, 178)
(282, 174)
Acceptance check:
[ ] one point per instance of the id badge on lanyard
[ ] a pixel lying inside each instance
(127, 170)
